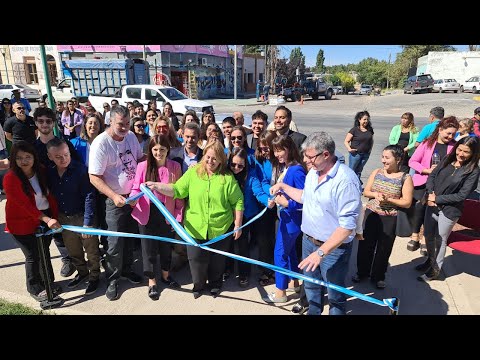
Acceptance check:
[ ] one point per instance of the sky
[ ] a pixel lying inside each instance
(347, 54)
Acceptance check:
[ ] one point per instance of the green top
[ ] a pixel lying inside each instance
(211, 202)
(395, 135)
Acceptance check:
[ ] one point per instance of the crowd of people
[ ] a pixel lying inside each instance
(213, 180)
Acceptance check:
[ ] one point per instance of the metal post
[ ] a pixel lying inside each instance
(51, 103)
(388, 69)
(52, 301)
(4, 53)
(235, 75)
(145, 52)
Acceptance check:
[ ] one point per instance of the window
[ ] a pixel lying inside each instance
(30, 70)
(134, 93)
(151, 94)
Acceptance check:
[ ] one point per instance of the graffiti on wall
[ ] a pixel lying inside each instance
(210, 82)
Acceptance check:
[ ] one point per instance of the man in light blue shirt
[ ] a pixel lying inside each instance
(436, 114)
(331, 205)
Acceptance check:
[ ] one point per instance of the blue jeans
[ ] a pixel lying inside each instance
(357, 162)
(333, 268)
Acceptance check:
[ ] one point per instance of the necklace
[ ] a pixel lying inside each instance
(455, 168)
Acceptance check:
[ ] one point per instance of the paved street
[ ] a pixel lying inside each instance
(458, 293)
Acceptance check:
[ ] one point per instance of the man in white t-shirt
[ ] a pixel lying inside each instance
(113, 160)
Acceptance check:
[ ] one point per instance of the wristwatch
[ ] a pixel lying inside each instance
(320, 253)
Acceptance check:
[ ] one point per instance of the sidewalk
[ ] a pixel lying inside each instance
(251, 101)
(458, 294)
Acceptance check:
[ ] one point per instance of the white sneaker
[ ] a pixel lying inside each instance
(272, 299)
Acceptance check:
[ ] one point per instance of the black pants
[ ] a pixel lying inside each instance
(243, 250)
(206, 265)
(264, 230)
(374, 251)
(419, 208)
(151, 248)
(29, 245)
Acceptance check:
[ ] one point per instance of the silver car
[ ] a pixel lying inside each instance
(472, 84)
(442, 85)
(25, 91)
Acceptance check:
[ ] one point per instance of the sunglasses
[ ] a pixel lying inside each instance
(162, 126)
(20, 108)
(141, 126)
(239, 138)
(49, 122)
(7, 103)
(235, 165)
(106, 106)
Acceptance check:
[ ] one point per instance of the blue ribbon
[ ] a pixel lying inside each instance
(133, 198)
(188, 240)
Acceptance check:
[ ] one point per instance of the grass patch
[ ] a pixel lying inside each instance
(8, 308)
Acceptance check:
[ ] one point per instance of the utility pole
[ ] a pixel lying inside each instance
(144, 52)
(273, 66)
(235, 75)
(388, 69)
(51, 104)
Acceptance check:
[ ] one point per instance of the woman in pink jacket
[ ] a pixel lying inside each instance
(440, 143)
(159, 168)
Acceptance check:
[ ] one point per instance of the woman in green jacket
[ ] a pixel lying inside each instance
(215, 205)
(405, 134)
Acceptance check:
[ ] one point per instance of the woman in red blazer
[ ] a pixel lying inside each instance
(29, 205)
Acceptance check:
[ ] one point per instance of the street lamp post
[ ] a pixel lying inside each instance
(3, 50)
(188, 78)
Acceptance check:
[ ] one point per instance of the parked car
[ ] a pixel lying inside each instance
(337, 90)
(418, 83)
(25, 91)
(442, 85)
(472, 84)
(366, 89)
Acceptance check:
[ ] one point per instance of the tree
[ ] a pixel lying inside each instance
(346, 80)
(320, 61)
(297, 59)
(253, 49)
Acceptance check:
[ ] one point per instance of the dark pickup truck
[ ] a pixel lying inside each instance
(418, 83)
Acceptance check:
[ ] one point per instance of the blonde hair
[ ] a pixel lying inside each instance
(411, 125)
(468, 124)
(218, 149)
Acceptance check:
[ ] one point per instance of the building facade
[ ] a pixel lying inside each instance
(199, 71)
(459, 65)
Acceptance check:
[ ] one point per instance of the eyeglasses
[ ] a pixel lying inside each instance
(235, 165)
(140, 126)
(312, 158)
(239, 138)
(20, 108)
(264, 148)
(48, 122)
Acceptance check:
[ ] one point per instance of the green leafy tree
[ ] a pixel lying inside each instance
(297, 60)
(346, 80)
(320, 61)
(253, 49)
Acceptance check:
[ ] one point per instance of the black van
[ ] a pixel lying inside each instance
(417, 83)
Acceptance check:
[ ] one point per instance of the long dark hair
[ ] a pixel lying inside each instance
(282, 143)
(448, 122)
(37, 167)
(474, 144)
(241, 177)
(151, 173)
(361, 114)
(265, 138)
(397, 152)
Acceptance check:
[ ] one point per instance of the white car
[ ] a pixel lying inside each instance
(25, 91)
(442, 85)
(472, 84)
